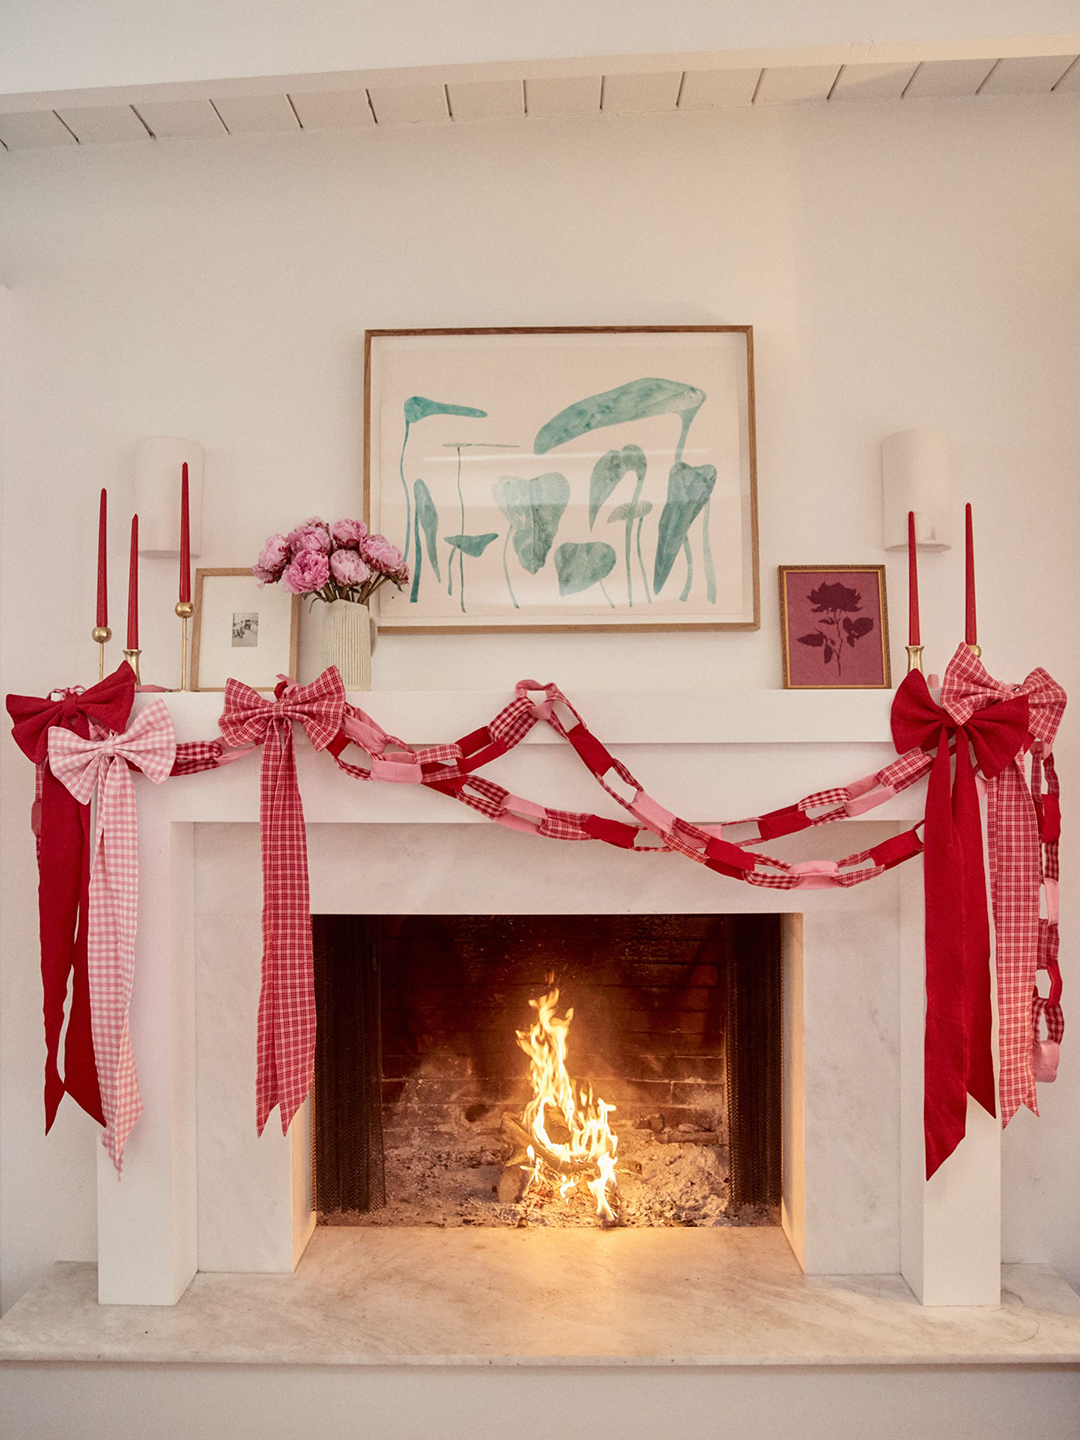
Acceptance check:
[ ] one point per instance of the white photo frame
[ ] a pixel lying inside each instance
(242, 631)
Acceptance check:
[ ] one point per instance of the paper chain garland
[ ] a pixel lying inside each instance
(1023, 834)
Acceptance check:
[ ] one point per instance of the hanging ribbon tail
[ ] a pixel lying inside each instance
(286, 1030)
(63, 831)
(106, 766)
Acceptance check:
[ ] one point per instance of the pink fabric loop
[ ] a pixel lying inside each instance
(403, 771)
(149, 745)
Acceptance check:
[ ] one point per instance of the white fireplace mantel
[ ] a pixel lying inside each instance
(854, 1195)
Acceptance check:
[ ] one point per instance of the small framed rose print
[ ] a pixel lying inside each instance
(834, 624)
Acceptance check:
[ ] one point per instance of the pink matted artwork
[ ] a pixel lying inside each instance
(835, 627)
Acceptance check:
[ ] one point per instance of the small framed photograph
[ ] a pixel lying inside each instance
(567, 478)
(242, 631)
(834, 623)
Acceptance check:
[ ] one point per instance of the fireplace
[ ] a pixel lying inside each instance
(422, 1084)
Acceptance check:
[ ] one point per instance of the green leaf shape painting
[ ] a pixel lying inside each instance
(427, 520)
(607, 472)
(636, 400)
(689, 489)
(582, 565)
(534, 509)
(628, 513)
(472, 545)
(418, 407)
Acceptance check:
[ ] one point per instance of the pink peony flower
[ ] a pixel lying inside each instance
(387, 559)
(349, 533)
(347, 568)
(313, 535)
(308, 570)
(272, 561)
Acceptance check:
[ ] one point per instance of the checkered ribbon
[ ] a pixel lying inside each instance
(1016, 869)
(286, 1041)
(105, 765)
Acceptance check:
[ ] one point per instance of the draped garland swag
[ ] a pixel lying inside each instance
(981, 736)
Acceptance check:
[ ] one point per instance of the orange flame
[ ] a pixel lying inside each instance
(592, 1143)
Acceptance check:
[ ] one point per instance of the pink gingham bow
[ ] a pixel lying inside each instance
(1015, 836)
(286, 1038)
(105, 765)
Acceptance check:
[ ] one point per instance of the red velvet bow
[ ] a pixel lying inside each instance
(286, 1041)
(957, 1046)
(63, 879)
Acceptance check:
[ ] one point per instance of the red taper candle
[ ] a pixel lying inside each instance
(913, 582)
(133, 588)
(185, 537)
(102, 565)
(970, 628)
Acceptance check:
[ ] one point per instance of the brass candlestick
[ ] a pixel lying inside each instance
(914, 658)
(102, 635)
(185, 609)
(132, 657)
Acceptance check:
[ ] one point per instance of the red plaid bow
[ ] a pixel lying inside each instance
(957, 1044)
(63, 834)
(1015, 832)
(286, 1044)
(82, 765)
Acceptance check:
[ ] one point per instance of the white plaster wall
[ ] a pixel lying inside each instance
(903, 265)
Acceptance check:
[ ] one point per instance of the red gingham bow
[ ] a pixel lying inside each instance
(1014, 828)
(62, 827)
(286, 1043)
(149, 745)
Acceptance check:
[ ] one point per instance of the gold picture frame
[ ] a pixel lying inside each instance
(706, 577)
(834, 619)
(225, 636)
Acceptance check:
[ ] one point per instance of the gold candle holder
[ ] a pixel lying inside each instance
(101, 635)
(185, 609)
(132, 657)
(914, 658)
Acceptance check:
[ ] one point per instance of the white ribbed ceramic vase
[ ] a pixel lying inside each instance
(349, 636)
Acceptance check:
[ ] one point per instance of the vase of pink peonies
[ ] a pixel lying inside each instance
(342, 565)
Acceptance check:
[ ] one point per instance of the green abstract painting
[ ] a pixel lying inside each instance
(577, 478)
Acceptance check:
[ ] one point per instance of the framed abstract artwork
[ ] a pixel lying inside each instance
(834, 622)
(565, 478)
(242, 630)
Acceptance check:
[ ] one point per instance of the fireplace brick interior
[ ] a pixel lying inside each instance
(676, 1022)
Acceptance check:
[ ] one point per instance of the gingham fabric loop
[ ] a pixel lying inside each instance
(149, 745)
(286, 1026)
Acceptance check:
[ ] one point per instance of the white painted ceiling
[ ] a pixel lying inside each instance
(461, 101)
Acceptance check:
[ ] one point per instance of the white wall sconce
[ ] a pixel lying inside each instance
(159, 463)
(915, 476)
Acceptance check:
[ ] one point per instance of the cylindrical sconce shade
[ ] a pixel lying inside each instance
(915, 476)
(158, 467)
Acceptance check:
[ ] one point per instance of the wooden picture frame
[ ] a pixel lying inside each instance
(833, 620)
(520, 536)
(269, 622)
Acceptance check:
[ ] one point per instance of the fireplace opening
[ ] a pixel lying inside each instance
(550, 1070)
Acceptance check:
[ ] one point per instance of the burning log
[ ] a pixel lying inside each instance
(516, 1133)
(688, 1137)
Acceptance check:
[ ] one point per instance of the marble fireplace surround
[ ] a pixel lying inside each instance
(201, 1192)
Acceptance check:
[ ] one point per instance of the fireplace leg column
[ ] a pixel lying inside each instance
(147, 1220)
(950, 1226)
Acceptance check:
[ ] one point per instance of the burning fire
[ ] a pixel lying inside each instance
(584, 1144)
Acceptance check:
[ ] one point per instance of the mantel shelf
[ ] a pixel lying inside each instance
(661, 717)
